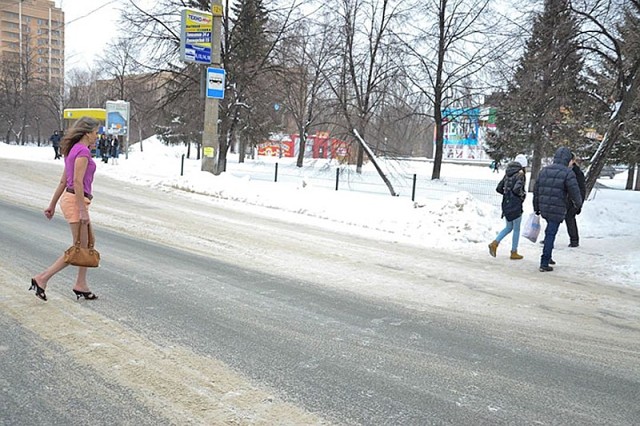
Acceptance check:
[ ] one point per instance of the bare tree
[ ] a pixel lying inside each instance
(302, 56)
(83, 92)
(10, 99)
(364, 65)
(398, 127)
(126, 80)
(22, 86)
(602, 21)
(119, 65)
(450, 52)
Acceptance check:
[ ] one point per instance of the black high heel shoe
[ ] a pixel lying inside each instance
(39, 290)
(86, 294)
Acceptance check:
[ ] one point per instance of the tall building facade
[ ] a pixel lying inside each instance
(32, 34)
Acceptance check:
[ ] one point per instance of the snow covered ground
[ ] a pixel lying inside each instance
(460, 214)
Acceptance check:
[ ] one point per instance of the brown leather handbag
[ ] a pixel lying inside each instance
(83, 256)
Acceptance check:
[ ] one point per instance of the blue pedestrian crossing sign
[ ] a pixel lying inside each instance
(215, 83)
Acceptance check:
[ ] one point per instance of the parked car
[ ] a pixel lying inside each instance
(608, 171)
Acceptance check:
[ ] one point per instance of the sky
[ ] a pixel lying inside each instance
(453, 221)
(89, 27)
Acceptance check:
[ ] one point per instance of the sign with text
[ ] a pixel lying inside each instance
(215, 83)
(117, 122)
(196, 36)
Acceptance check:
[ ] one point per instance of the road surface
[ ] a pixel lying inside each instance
(211, 315)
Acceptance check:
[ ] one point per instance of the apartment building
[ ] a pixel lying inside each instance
(32, 34)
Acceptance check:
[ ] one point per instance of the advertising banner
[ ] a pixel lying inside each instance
(196, 36)
(117, 122)
(461, 133)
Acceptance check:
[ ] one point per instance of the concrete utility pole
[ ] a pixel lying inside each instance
(210, 143)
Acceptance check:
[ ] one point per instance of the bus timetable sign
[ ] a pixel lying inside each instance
(215, 83)
(196, 36)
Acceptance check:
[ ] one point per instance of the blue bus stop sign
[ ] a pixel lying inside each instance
(215, 83)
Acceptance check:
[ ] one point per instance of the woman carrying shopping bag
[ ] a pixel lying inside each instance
(512, 187)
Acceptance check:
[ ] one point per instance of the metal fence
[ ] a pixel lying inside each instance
(411, 185)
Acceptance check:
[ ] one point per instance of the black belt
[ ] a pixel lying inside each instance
(71, 190)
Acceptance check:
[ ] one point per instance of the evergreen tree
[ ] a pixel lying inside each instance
(542, 107)
(245, 109)
(248, 35)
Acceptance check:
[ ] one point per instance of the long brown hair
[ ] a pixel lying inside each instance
(80, 128)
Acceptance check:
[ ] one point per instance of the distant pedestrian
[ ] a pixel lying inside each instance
(513, 190)
(495, 166)
(572, 211)
(115, 150)
(55, 142)
(555, 184)
(105, 147)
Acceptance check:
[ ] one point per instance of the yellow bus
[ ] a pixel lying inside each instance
(70, 115)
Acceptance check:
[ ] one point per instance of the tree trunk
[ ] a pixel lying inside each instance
(359, 159)
(222, 154)
(630, 172)
(637, 188)
(242, 150)
(437, 158)
(628, 95)
(438, 91)
(365, 147)
(301, 146)
(536, 161)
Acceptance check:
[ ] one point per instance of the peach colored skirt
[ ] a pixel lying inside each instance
(69, 207)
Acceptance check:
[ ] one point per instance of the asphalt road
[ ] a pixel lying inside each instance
(217, 317)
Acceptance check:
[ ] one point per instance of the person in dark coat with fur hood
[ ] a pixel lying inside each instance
(513, 190)
(555, 185)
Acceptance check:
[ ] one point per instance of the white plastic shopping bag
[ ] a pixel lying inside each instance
(532, 227)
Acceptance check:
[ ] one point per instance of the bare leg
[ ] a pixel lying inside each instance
(43, 277)
(81, 281)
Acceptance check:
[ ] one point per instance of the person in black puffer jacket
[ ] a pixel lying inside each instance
(555, 184)
(512, 187)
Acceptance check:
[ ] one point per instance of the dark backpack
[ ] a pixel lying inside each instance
(511, 202)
